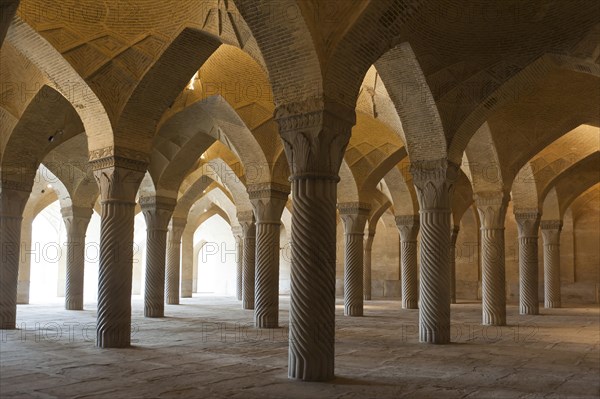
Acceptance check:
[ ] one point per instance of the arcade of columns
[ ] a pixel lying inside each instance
(392, 134)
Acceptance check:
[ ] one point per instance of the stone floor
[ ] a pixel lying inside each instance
(207, 348)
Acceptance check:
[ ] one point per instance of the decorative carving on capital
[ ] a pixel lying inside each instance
(237, 232)
(354, 215)
(551, 225)
(491, 206)
(176, 228)
(434, 182)
(315, 134)
(268, 201)
(157, 211)
(76, 220)
(247, 222)
(118, 157)
(551, 231)
(408, 227)
(118, 183)
(528, 223)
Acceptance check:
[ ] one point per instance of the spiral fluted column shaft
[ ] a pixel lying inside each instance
(452, 256)
(408, 227)
(154, 298)
(239, 259)
(367, 266)
(173, 269)
(528, 224)
(187, 264)
(10, 228)
(528, 256)
(76, 221)
(353, 275)
(491, 207)
(552, 276)
(434, 315)
(74, 279)
(119, 179)
(434, 181)
(113, 329)
(493, 289)
(172, 272)
(312, 307)
(25, 262)
(354, 216)
(157, 212)
(551, 236)
(266, 283)
(249, 266)
(410, 282)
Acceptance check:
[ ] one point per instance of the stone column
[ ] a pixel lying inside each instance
(246, 219)
(176, 228)
(187, 263)
(239, 259)
(491, 207)
(315, 134)
(408, 226)
(354, 216)
(367, 265)
(551, 236)
(528, 223)
(434, 181)
(13, 197)
(76, 222)
(25, 262)
(268, 200)
(157, 212)
(453, 236)
(119, 179)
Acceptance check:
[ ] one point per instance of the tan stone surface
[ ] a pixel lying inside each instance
(555, 355)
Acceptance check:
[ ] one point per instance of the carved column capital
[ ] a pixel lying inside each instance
(408, 226)
(76, 220)
(434, 182)
(551, 231)
(354, 216)
(248, 223)
(315, 134)
(268, 201)
(528, 222)
(157, 211)
(237, 232)
(118, 178)
(491, 206)
(176, 228)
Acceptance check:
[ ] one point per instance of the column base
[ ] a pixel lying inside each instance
(113, 339)
(429, 336)
(354, 311)
(266, 324)
(74, 305)
(247, 305)
(529, 311)
(493, 320)
(552, 304)
(410, 305)
(154, 313)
